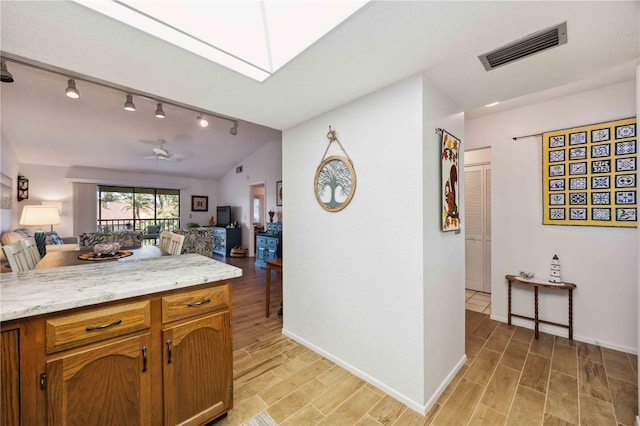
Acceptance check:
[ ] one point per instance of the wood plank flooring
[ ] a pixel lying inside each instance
(509, 377)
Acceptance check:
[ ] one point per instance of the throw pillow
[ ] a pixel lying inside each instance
(53, 238)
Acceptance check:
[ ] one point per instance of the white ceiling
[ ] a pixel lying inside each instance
(382, 43)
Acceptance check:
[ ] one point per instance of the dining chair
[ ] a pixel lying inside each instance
(175, 244)
(32, 254)
(15, 254)
(165, 239)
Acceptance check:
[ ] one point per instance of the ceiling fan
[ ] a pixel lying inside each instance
(160, 153)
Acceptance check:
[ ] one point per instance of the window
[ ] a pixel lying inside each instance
(128, 208)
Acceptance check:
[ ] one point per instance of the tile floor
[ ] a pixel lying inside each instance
(477, 301)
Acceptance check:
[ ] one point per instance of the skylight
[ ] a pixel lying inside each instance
(255, 38)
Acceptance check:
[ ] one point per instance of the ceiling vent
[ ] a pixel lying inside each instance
(529, 45)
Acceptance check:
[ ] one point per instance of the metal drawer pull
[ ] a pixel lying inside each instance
(144, 359)
(202, 302)
(100, 327)
(169, 352)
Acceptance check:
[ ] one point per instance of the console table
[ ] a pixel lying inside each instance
(536, 283)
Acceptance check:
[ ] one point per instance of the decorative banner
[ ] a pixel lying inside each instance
(450, 193)
(589, 175)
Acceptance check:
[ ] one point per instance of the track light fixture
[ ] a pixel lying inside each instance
(202, 121)
(71, 91)
(5, 75)
(159, 111)
(129, 105)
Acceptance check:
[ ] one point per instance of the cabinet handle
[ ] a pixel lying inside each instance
(169, 352)
(100, 327)
(202, 302)
(144, 359)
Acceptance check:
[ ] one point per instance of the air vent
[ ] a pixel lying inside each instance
(529, 45)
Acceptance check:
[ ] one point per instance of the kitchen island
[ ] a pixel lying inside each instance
(139, 342)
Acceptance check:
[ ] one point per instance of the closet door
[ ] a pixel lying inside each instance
(473, 220)
(477, 188)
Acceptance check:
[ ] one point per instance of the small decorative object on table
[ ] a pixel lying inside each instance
(271, 213)
(106, 248)
(554, 274)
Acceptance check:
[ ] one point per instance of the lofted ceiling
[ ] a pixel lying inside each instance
(382, 43)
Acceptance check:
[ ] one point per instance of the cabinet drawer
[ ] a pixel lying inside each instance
(261, 241)
(70, 331)
(272, 243)
(196, 302)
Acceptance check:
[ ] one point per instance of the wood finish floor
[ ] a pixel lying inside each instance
(509, 377)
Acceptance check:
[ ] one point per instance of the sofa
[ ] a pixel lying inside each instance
(197, 240)
(126, 239)
(54, 241)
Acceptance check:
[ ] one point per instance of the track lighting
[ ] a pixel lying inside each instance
(5, 76)
(202, 121)
(234, 129)
(159, 111)
(71, 91)
(129, 105)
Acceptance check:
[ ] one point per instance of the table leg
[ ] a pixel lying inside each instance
(268, 289)
(570, 314)
(535, 292)
(509, 304)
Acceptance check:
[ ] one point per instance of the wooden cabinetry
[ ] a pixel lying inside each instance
(224, 239)
(151, 360)
(269, 244)
(10, 373)
(109, 384)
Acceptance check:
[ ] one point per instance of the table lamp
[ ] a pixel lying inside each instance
(40, 216)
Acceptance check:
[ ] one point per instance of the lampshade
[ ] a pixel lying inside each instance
(40, 215)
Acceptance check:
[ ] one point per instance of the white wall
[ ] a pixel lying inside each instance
(601, 261)
(443, 252)
(263, 166)
(355, 284)
(55, 184)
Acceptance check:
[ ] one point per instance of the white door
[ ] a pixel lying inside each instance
(477, 190)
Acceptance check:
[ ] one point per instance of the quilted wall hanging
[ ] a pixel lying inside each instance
(590, 175)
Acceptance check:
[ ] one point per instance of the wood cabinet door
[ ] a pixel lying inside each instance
(197, 370)
(105, 385)
(10, 375)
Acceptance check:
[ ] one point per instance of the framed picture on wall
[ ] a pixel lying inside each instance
(279, 193)
(199, 203)
(6, 186)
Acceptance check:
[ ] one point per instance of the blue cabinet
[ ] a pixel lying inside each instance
(269, 244)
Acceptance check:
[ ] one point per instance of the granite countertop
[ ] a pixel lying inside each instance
(43, 291)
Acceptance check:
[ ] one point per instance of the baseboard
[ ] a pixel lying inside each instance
(559, 331)
(422, 409)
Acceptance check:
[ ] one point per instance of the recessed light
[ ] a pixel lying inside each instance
(492, 104)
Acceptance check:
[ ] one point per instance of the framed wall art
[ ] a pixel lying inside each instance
(279, 193)
(199, 203)
(6, 188)
(23, 188)
(335, 181)
(589, 175)
(450, 155)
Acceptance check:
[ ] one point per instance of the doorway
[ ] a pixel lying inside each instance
(258, 212)
(477, 189)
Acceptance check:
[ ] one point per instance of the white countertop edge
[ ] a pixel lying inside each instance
(24, 302)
